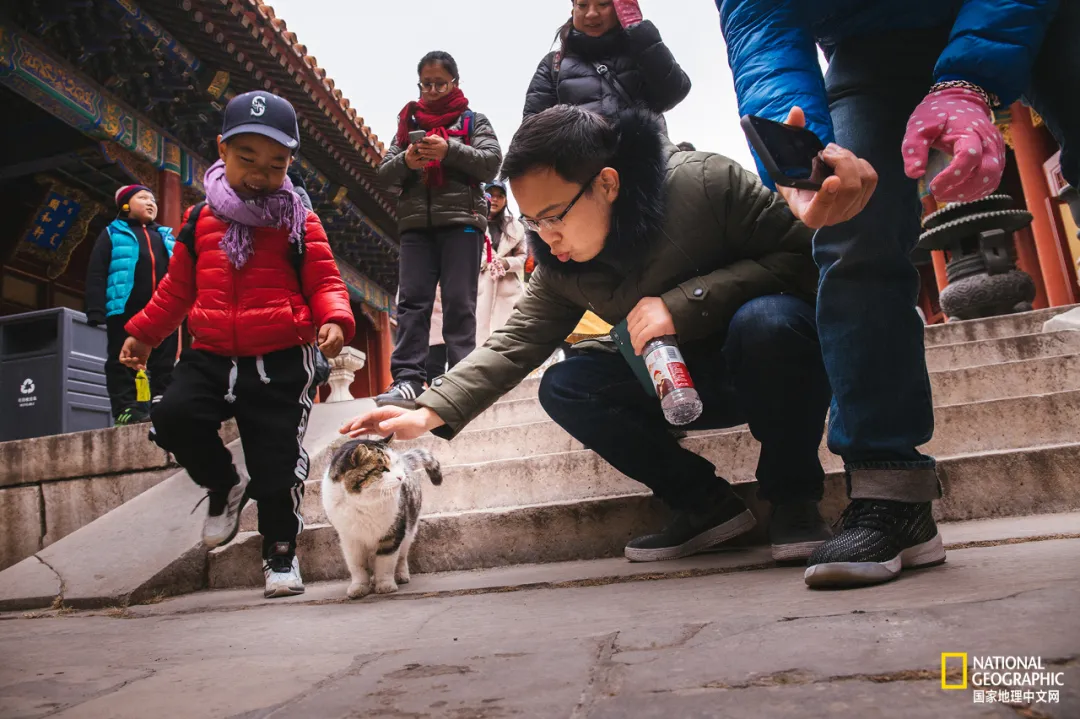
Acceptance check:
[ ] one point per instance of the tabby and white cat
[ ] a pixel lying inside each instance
(372, 495)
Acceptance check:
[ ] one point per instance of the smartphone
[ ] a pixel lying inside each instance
(416, 137)
(791, 155)
(621, 334)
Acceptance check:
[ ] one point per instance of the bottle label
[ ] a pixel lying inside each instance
(668, 370)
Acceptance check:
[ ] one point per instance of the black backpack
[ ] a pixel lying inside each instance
(187, 239)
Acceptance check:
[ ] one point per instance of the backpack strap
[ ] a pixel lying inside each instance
(556, 71)
(187, 232)
(187, 238)
(608, 75)
(299, 249)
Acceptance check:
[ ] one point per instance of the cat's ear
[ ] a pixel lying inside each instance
(385, 442)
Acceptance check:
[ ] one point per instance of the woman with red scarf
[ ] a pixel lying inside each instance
(442, 220)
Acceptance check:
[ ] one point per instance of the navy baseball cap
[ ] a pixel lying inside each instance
(496, 185)
(262, 113)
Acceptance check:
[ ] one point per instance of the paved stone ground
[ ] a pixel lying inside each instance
(752, 643)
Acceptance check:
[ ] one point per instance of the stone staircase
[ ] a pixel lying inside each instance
(519, 490)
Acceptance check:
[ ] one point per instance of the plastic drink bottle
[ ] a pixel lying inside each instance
(678, 398)
(142, 387)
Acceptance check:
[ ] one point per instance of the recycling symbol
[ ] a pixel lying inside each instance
(27, 386)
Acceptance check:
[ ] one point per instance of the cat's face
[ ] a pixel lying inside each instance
(363, 464)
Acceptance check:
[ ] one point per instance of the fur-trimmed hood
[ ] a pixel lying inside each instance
(637, 215)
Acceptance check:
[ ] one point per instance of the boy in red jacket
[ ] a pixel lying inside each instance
(258, 283)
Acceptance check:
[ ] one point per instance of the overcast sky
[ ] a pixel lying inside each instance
(370, 48)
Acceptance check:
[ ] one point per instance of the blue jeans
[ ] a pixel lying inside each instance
(870, 334)
(767, 371)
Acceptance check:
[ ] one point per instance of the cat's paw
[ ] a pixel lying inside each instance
(402, 577)
(358, 590)
(385, 587)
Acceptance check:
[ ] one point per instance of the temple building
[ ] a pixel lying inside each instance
(96, 95)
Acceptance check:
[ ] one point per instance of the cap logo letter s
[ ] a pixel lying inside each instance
(258, 106)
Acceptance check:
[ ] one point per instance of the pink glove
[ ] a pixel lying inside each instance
(956, 121)
(497, 269)
(629, 12)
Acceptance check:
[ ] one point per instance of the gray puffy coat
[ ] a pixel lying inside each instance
(460, 200)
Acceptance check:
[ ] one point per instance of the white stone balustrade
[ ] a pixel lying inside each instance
(343, 369)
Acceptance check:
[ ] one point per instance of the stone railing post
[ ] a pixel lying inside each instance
(343, 369)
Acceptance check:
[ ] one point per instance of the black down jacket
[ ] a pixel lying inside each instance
(641, 63)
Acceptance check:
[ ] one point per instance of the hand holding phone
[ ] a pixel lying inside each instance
(416, 137)
(791, 153)
(834, 198)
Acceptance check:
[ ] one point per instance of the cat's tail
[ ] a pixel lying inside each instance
(425, 460)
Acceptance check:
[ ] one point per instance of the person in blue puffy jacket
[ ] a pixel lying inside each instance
(129, 260)
(903, 78)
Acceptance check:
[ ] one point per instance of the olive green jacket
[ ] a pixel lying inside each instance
(460, 199)
(693, 228)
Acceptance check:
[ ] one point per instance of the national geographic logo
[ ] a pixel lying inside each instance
(1002, 679)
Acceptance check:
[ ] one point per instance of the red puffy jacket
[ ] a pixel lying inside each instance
(262, 307)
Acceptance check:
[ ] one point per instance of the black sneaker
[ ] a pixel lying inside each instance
(401, 394)
(879, 539)
(796, 529)
(692, 532)
(132, 415)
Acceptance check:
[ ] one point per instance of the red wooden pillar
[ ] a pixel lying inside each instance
(1028, 261)
(938, 257)
(1033, 148)
(1053, 213)
(385, 349)
(170, 200)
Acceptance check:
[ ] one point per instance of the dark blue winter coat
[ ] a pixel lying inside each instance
(771, 46)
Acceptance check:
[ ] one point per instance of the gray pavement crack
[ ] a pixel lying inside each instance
(600, 677)
(63, 587)
(433, 617)
(800, 677)
(1011, 540)
(103, 693)
(358, 664)
(891, 610)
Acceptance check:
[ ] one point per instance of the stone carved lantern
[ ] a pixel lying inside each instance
(343, 369)
(982, 273)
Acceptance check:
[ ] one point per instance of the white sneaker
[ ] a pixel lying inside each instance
(223, 518)
(282, 574)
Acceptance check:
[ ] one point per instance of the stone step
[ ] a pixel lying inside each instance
(540, 463)
(960, 428)
(1024, 323)
(956, 536)
(994, 484)
(1006, 379)
(526, 390)
(939, 358)
(509, 413)
(1053, 373)
(996, 351)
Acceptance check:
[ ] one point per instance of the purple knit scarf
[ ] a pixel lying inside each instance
(281, 208)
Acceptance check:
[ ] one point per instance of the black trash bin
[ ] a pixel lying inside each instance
(52, 375)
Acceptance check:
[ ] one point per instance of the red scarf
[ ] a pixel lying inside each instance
(436, 118)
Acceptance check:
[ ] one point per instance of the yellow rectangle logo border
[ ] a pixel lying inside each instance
(944, 670)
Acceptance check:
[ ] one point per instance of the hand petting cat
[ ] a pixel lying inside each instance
(402, 423)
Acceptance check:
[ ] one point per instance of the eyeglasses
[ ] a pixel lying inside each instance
(439, 87)
(542, 224)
